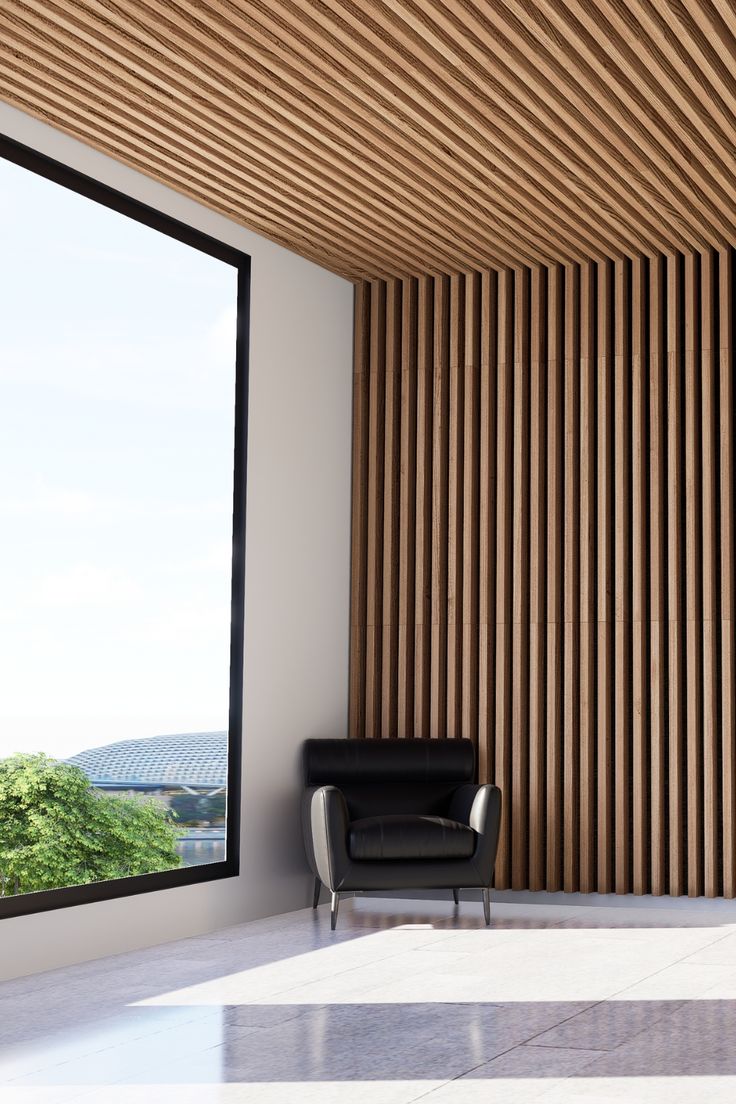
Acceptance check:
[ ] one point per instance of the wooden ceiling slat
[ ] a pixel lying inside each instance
(674, 65)
(270, 225)
(217, 189)
(418, 136)
(631, 109)
(280, 123)
(330, 123)
(220, 187)
(198, 148)
(523, 102)
(570, 106)
(298, 79)
(451, 121)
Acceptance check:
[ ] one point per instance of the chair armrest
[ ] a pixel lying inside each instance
(325, 823)
(480, 808)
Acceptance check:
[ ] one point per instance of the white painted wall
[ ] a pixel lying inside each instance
(297, 584)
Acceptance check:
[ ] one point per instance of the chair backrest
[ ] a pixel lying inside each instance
(391, 776)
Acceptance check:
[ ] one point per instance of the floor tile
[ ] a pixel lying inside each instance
(406, 1001)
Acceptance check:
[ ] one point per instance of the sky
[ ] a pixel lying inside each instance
(117, 376)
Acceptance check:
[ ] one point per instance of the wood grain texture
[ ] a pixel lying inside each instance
(390, 502)
(504, 555)
(555, 576)
(579, 447)
(418, 137)
(657, 491)
(407, 507)
(571, 576)
(605, 574)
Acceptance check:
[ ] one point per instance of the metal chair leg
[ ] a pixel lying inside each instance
(456, 896)
(487, 906)
(333, 910)
(317, 888)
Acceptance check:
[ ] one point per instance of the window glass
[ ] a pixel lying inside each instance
(117, 388)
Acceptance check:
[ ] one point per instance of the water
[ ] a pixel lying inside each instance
(202, 845)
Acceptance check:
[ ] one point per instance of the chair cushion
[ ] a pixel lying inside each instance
(409, 837)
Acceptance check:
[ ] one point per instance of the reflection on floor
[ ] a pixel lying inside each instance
(404, 1002)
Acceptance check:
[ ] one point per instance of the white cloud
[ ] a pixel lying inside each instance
(46, 501)
(86, 584)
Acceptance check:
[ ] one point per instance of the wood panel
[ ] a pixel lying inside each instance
(422, 136)
(579, 446)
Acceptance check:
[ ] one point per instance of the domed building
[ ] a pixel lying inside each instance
(190, 761)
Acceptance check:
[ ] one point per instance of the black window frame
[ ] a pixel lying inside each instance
(229, 867)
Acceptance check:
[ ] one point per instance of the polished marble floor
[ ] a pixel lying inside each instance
(405, 1002)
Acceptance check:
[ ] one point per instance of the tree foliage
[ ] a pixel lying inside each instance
(56, 830)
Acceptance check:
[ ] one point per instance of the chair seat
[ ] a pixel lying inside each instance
(409, 837)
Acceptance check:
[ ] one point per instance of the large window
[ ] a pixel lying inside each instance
(123, 344)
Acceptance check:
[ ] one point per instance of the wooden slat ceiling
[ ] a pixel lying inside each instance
(416, 136)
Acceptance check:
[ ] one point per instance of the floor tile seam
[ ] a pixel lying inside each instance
(348, 970)
(428, 1092)
(708, 946)
(487, 1061)
(677, 1004)
(103, 1050)
(591, 1050)
(661, 970)
(339, 973)
(514, 934)
(112, 1046)
(607, 1000)
(567, 1019)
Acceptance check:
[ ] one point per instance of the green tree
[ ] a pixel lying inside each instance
(56, 830)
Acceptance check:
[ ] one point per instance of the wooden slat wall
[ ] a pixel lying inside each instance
(542, 556)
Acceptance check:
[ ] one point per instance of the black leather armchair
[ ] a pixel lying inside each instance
(398, 814)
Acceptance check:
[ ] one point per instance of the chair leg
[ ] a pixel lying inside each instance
(333, 910)
(456, 896)
(487, 906)
(317, 888)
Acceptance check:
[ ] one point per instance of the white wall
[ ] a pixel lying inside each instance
(297, 584)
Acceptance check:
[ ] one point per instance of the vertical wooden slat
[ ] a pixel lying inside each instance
(391, 474)
(359, 518)
(423, 539)
(709, 530)
(675, 720)
(537, 579)
(658, 575)
(605, 675)
(587, 612)
(520, 585)
(639, 613)
(374, 540)
(455, 507)
(407, 508)
(726, 570)
(555, 568)
(487, 526)
(504, 561)
(693, 580)
(471, 428)
(571, 590)
(438, 691)
(622, 554)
